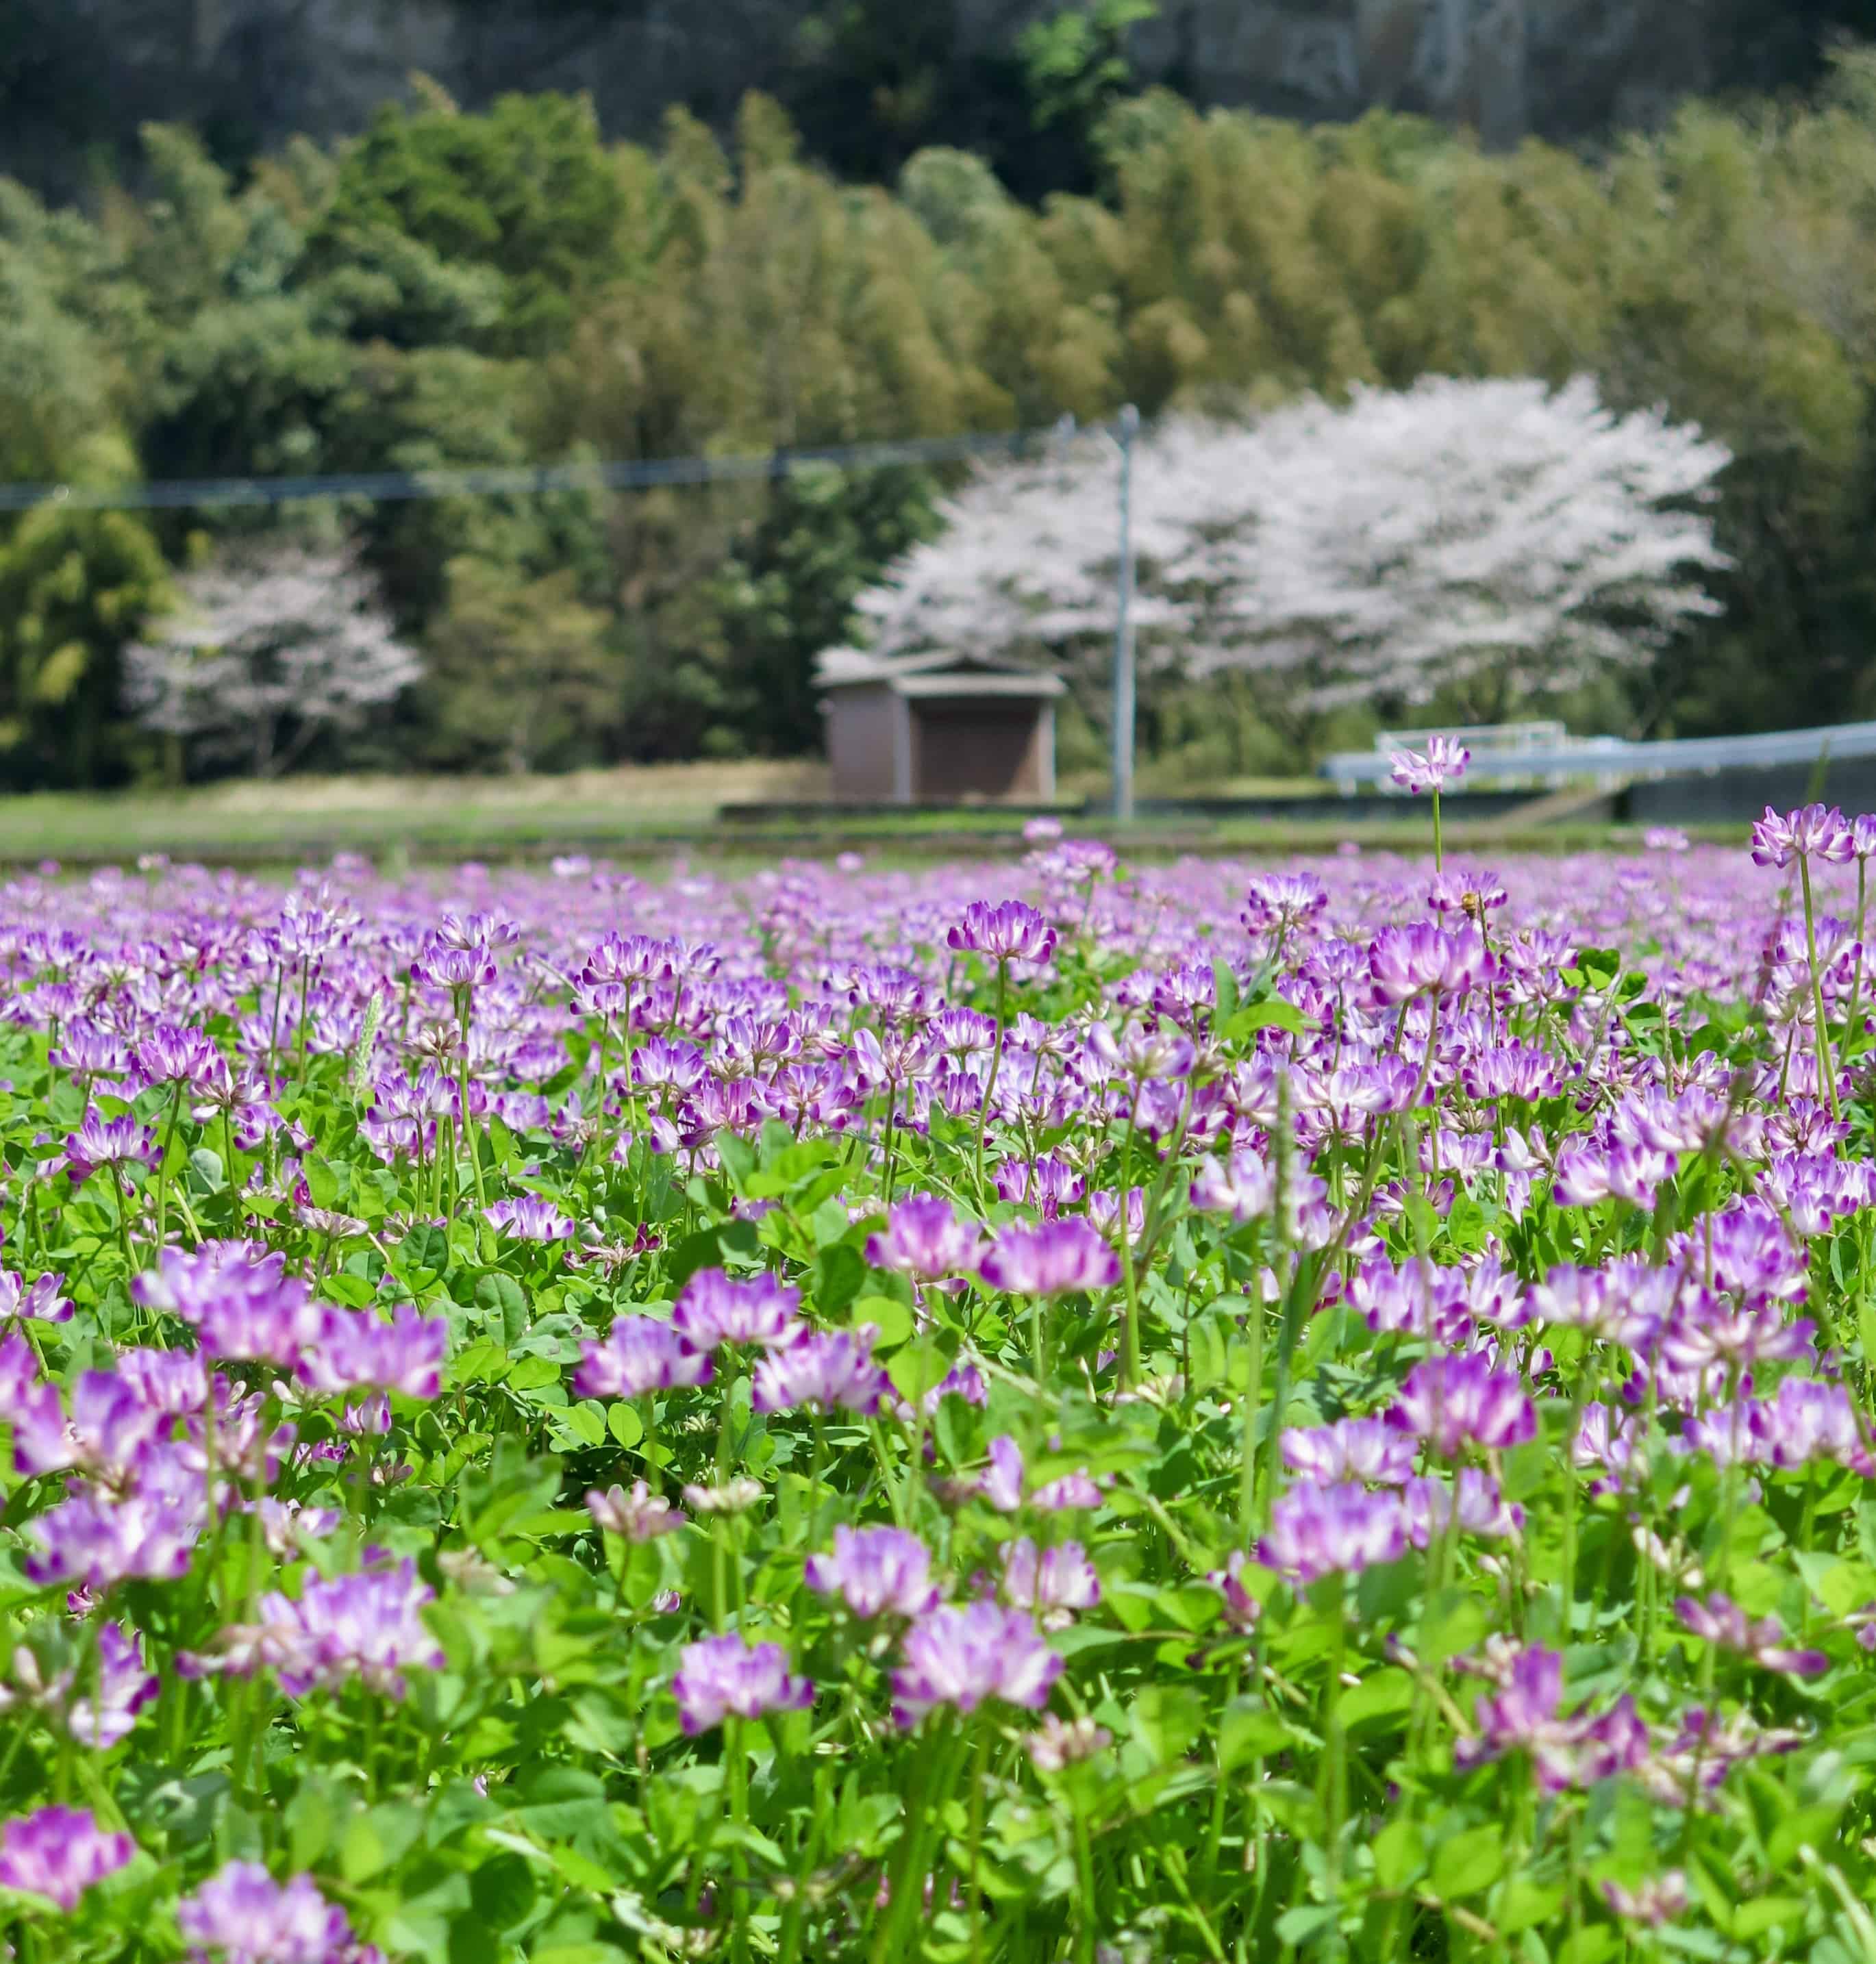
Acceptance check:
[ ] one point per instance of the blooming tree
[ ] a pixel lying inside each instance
(265, 653)
(1401, 542)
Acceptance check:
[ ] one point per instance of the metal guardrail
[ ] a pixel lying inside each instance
(1614, 757)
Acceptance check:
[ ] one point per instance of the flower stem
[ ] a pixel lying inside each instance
(1826, 1077)
(990, 1083)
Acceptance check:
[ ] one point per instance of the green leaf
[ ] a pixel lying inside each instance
(322, 1179)
(1380, 1696)
(1250, 1730)
(1469, 1861)
(840, 1270)
(1400, 1853)
(502, 1891)
(586, 1421)
(500, 1299)
(1272, 1013)
(1452, 1621)
(890, 1317)
(625, 1425)
(920, 1367)
(1225, 985)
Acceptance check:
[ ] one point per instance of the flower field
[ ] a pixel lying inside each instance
(1016, 1412)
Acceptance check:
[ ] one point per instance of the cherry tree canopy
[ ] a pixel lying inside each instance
(265, 652)
(1390, 545)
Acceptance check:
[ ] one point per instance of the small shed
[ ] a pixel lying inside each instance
(936, 728)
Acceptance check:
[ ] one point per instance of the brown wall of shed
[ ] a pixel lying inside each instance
(859, 742)
(992, 747)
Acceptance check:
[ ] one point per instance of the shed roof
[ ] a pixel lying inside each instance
(933, 672)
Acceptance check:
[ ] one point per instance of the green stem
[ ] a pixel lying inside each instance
(1856, 974)
(1130, 1328)
(1826, 1077)
(933, 1779)
(990, 1083)
(1567, 1585)
(1253, 1388)
(980, 1769)
(162, 1167)
(468, 1121)
(736, 1766)
(1335, 1743)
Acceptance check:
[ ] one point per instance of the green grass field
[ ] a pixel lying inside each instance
(652, 813)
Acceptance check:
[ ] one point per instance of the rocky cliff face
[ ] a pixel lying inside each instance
(258, 70)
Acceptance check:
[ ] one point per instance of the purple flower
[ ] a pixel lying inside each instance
(1721, 1622)
(831, 1370)
(526, 1217)
(1059, 1742)
(1053, 1583)
(1427, 1507)
(106, 1712)
(640, 1515)
(1655, 1900)
(99, 1141)
(1467, 890)
(1455, 1402)
(123, 1687)
(925, 1237)
(1002, 1482)
(98, 1541)
(243, 1304)
(1243, 1187)
(1279, 902)
(714, 1307)
(1062, 1257)
(444, 966)
(1524, 1712)
(111, 1424)
(37, 1302)
(242, 1916)
(638, 1355)
(1564, 1753)
(1813, 832)
(1319, 1531)
(356, 1348)
(1443, 762)
(877, 1571)
(961, 1657)
(1422, 959)
(725, 1676)
(174, 1054)
(1008, 932)
(368, 1626)
(169, 1381)
(1241, 1609)
(1809, 1421)
(59, 1853)
(1352, 1448)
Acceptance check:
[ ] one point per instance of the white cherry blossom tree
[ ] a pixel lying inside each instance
(265, 652)
(1385, 547)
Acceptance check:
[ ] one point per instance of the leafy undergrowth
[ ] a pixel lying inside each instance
(1000, 1412)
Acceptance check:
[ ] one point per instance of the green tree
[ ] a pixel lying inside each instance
(75, 588)
(520, 675)
(526, 193)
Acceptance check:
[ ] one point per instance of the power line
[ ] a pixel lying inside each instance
(645, 474)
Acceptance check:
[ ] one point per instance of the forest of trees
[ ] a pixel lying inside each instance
(458, 289)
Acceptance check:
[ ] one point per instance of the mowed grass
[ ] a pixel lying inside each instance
(652, 812)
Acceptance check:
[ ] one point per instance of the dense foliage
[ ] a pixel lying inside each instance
(457, 289)
(1017, 1413)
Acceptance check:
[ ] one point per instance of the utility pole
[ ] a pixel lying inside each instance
(1125, 430)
